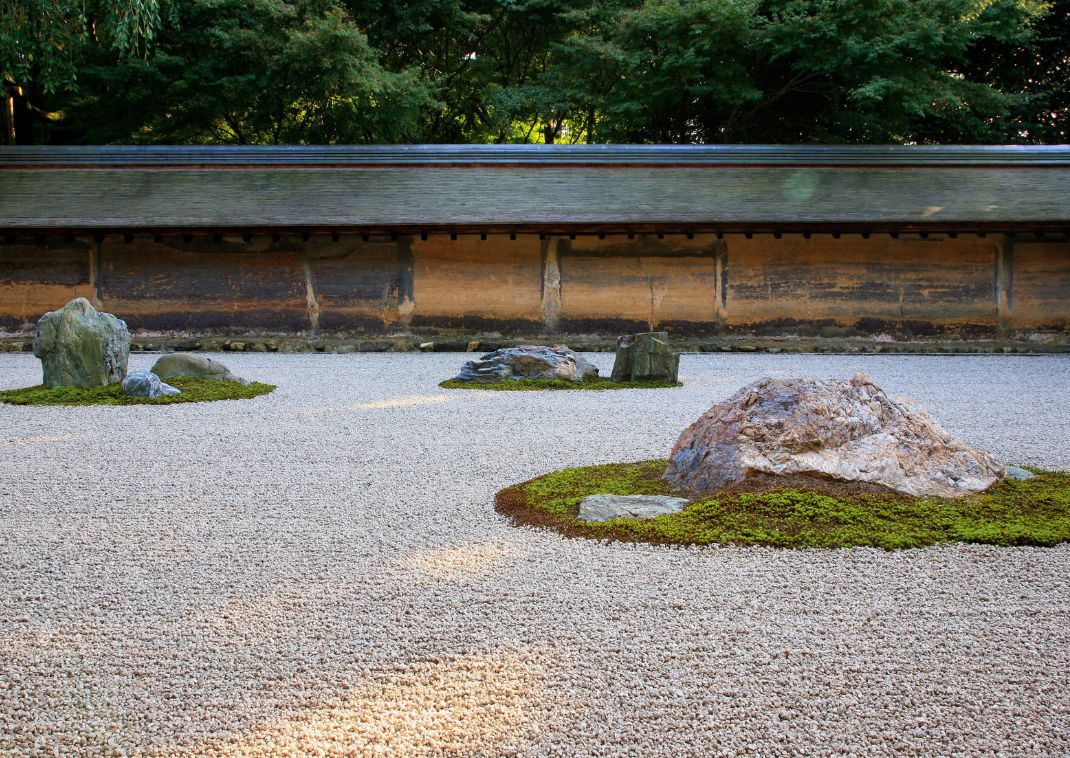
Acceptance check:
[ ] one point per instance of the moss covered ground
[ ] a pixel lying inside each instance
(522, 385)
(193, 391)
(1031, 512)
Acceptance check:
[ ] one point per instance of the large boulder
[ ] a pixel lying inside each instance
(81, 347)
(529, 362)
(197, 366)
(848, 431)
(147, 384)
(645, 357)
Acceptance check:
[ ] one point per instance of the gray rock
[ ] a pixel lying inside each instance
(147, 384)
(645, 357)
(605, 507)
(850, 431)
(529, 362)
(81, 347)
(1019, 473)
(197, 366)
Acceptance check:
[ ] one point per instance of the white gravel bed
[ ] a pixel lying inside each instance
(320, 571)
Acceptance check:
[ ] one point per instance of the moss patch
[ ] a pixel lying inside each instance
(193, 391)
(526, 385)
(1031, 512)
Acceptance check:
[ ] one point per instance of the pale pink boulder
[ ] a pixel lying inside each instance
(844, 430)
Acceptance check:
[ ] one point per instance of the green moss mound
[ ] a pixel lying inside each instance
(528, 385)
(193, 391)
(1031, 512)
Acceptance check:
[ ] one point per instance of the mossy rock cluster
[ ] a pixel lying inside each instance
(1035, 511)
(527, 385)
(193, 391)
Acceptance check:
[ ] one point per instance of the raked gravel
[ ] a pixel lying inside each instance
(320, 571)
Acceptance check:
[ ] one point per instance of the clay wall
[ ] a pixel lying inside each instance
(970, 285)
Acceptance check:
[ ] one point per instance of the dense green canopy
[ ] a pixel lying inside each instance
(681, 71)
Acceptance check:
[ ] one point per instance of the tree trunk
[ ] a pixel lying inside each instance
(9, 113)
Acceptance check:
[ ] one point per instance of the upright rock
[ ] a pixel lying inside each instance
(849, 431)
(529, 362)
(81, 347)
(197, 366)
(645, 357)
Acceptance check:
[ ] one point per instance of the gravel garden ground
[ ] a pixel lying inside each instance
(320, 570)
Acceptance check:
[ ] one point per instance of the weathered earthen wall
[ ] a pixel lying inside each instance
(202, 284)
(1039, 285)
(478, 284)
(876, 284)
(639, 285)
(38, 277)
(970, 285)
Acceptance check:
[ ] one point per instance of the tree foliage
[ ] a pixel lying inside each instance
(252, 72)
(358, 71)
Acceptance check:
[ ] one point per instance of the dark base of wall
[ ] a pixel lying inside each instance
(418, 341)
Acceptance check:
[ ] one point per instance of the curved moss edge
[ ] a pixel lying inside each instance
(528, 385)
(1031, 512)
(193, 391)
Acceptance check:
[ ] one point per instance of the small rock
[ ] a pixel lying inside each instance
(605, 507)
(450, 347)
(235, 346)
(147, 384)
(473, 346)
(427, 346)
(1019, 473)
(529, 362)
(81, 347)
(645, 356)
(197, 366)
(374, 347)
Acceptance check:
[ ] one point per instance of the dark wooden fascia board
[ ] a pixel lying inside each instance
(551, 156)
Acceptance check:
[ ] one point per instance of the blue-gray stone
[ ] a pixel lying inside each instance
(528, 362)
(147, 384)
(1017, 472)
(605, 507)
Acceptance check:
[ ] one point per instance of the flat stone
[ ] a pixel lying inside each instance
(147, 384)
(81, 347)
(197, 366)
(847, 431)
(645, 357)
(605, 507)
(1019, 473)
(529, 362)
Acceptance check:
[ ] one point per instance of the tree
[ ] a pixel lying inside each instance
(252, 72)
(784, 70)
(1032, 62)
(41, 42)
(680, 71)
